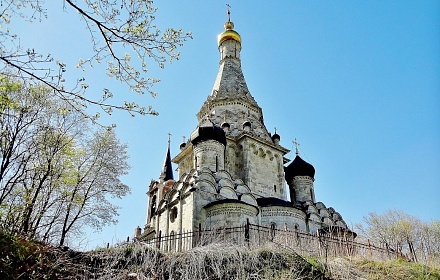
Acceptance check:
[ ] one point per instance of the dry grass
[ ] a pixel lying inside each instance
(228, 261)
(20, 259)
(214, 261)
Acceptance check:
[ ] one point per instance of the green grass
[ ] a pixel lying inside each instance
(397, 269)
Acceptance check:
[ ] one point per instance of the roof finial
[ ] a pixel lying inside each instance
(229, 12)
(296, 146)
(275, 130)
(169, 139)
(184, 138)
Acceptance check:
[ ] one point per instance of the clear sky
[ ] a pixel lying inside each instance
(356, 82)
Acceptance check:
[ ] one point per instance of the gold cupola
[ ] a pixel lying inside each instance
(229, 32)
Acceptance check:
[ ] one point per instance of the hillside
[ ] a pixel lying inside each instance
(21, 259)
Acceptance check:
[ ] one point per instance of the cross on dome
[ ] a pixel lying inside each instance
(296, 143)
(229, 12)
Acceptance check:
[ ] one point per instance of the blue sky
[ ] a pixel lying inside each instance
(356, 82)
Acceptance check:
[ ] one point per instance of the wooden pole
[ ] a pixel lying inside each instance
(369, 248)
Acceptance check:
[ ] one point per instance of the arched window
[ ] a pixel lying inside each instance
(273, 228)
(298, 240)
(153, 205)
(173, 214)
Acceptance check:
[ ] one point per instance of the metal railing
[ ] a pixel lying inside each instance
(253, 236)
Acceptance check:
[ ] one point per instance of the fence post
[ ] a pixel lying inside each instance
(159, 239)
(199, 235)
(319, 243)
(246, 232)
(369, 248)
(388, 251)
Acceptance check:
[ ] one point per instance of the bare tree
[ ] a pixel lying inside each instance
(402, 233)
(96, 171)
(123, 36)
(57, 172)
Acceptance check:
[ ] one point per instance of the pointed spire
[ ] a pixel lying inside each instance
(167, 169)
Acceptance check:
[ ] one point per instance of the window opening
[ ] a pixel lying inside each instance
(153, 205)
(273, 228)
(173, 214)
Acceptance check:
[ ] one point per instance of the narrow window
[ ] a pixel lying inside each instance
(216, 163)
(173, 214)
(275, 188)
(273, 228)
(153, 205)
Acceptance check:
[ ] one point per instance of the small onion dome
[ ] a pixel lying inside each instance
(228, 34)
(298, 167)
(182, 145)
(276, 138)
(210, 132)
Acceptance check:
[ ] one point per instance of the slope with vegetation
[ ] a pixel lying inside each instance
(21, 259)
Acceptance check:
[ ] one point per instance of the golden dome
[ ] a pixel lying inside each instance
(229, 33)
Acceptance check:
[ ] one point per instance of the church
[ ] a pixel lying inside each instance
(232, 170)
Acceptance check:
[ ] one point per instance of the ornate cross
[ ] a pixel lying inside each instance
(229, 12)
(296, 146)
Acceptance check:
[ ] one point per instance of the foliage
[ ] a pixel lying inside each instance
(404, 234)
(22, 259)
(57, 172)
(123, 36)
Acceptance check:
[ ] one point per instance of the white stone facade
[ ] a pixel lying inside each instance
(231, 170)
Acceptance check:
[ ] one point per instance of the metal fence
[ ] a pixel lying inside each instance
(252, 236)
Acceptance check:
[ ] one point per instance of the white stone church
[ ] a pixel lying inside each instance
(232, 170)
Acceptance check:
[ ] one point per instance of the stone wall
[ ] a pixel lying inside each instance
(303, 188)
(263, 170)
(230, 214)
(209, 154)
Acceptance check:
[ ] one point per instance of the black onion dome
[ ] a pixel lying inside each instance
(299, 167)
(210, 132)
(276, 136)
